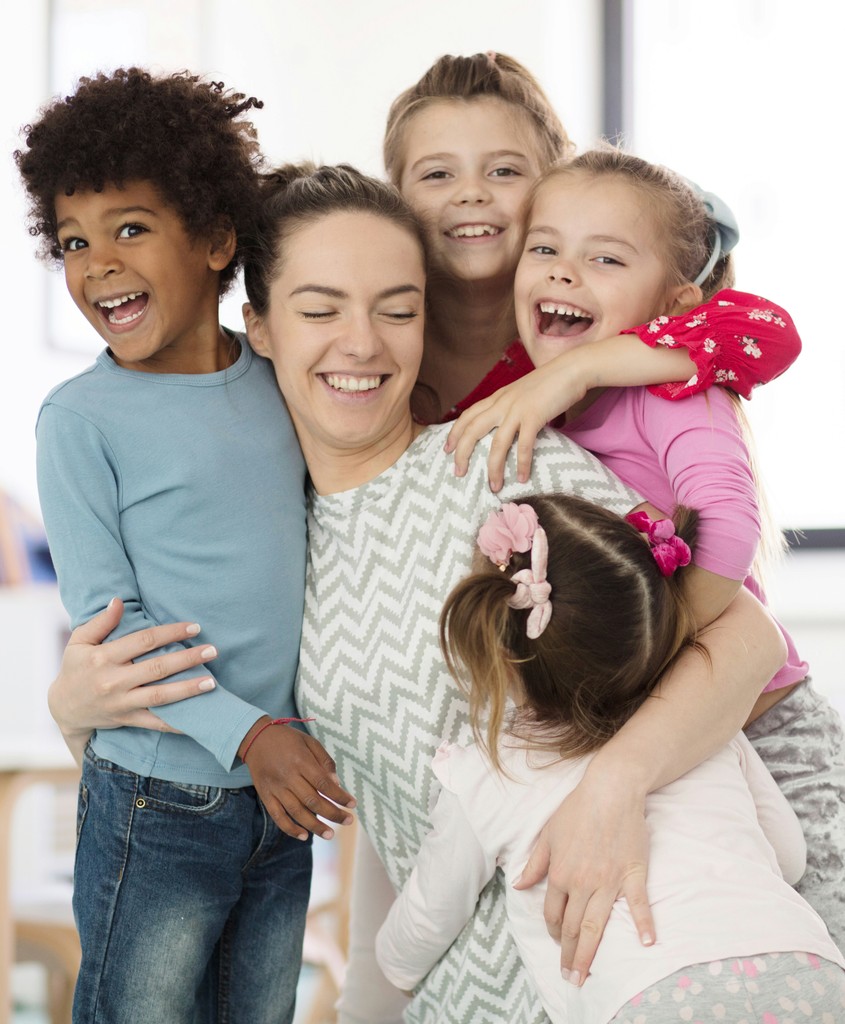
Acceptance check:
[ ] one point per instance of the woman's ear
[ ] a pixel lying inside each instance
(255, 330)
(684, 297)
(222, 245)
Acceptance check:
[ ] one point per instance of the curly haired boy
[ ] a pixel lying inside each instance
(169, 474)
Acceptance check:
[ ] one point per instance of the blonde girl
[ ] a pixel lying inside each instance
(562, 631)
(464, 145)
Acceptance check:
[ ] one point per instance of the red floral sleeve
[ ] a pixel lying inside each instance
(736, 340)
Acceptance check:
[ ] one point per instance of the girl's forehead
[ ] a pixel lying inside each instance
(489, 120)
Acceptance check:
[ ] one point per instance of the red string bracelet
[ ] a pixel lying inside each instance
(273, 721)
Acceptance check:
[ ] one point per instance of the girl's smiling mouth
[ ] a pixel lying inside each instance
(561, 320)
(472, 231)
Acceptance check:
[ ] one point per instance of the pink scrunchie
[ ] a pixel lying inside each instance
(670, 552)
(514, 527)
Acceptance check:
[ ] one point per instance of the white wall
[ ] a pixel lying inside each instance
(327, 72)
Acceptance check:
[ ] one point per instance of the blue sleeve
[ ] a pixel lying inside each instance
(79, 488)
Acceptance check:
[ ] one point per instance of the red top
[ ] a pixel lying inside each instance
(736, 340)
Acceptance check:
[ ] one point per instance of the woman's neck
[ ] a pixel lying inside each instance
(468, 326)
(334, 469)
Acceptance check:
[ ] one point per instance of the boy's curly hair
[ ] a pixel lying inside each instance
(182, 134)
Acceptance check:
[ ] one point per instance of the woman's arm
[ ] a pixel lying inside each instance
(100, 687)
(595, 847)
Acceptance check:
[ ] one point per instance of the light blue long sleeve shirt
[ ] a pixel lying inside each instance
(184, 495)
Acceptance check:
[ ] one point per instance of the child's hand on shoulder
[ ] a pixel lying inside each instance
(520, 409)
(296, 780)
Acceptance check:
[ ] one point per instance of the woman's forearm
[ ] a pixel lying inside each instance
(702, 701)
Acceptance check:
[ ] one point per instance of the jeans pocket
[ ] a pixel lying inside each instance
(178, 797)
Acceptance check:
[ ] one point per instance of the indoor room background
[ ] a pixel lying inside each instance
(742, 96)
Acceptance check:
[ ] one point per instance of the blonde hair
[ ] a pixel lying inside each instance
(468, 78)
(617, 623)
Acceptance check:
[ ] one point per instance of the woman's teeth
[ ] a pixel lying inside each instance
(473, 231)
(352, 383)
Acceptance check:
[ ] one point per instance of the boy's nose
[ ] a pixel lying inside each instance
(102, 262)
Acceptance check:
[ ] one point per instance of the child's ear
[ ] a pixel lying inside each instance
(684, 297)
(256, 332)
(222, 246)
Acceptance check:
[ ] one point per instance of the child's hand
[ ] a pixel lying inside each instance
(295, 779)
(524, 408)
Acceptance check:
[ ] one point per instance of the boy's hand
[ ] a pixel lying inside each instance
(295, 779)
(522, 408)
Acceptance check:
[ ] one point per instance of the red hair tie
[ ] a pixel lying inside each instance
(670, 552)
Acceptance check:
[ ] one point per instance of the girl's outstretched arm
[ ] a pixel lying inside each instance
(736, 340)
(524, 407)
(595, 848)
(99, 687)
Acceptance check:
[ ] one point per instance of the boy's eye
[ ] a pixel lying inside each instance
(131, 231)
(72, 244)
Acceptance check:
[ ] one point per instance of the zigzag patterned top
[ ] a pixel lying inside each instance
(383, 557)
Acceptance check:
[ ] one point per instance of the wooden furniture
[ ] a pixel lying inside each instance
(45, 935)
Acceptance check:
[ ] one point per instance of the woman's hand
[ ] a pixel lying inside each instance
(99, 687)
(522, 408)
(594, 849)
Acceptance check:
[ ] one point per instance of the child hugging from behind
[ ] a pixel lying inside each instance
(561, 632)
(169, 474)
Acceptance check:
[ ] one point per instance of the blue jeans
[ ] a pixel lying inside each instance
(190, 903)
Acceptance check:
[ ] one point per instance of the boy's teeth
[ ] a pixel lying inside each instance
(126, 320)
(473, 230)
(352, 383)
(112, 303)
(561, 310)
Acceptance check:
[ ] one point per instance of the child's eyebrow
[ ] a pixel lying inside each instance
(541, 229)
(496, 154)
(336, 293)
(116, 211)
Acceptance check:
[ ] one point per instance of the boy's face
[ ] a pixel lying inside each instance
(149, 289)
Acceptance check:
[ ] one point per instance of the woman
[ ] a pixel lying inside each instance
(336, 294)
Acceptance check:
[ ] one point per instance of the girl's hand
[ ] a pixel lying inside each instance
(99, 687)
(594, 849)
(295, 779)
(522, 408)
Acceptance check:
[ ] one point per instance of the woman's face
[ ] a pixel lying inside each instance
(344, 330)
(467, 168)
(592, 266)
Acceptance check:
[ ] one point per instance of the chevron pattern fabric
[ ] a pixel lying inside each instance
(382, 559)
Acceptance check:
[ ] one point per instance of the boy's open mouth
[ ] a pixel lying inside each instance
(557, 320)
(123, 309)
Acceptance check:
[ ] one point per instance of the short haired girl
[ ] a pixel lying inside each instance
(561, 632)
